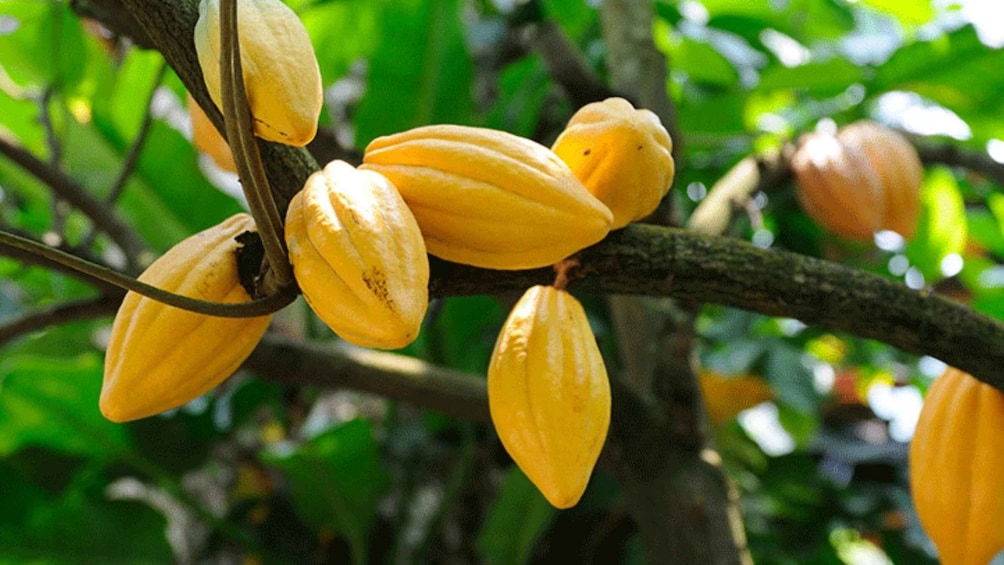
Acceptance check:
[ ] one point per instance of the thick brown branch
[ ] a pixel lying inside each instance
(170, 26)
(60, 314)
(70, 190)
(656, 261)
(393, 376)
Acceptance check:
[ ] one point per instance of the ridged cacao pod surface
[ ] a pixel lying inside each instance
(548, 393)
(900, 172)
(956, 465)
(207, 140)
(281, 76)
(358, 256)
(623, 156)
(160, 357)
(838, 187)
(489, 198)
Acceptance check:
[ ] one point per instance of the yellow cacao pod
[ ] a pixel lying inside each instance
(281, 76)
(623, 156)
(207, 140)
(956, 463)
(838, 187)
(160, 357)
(548, 393)
(489, 198)
(899, 170)
(726, 396)
(358, 256)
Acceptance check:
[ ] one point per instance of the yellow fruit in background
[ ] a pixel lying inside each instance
(623, 156)
(281, 75)
(838, 187)
(358, 256)
(548, 393)
(207, 140)
(956, 464)
(900, 172)
(160, 357)
(489, 198)
(726, 396)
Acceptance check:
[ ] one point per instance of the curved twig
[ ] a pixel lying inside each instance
(83, 309)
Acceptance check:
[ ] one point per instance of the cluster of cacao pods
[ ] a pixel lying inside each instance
(864, 179)
(956, 461)
(358, 240)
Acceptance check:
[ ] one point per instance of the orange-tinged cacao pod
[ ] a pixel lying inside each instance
(956, 462)
(726, 396)
(548, 393)
(281, 76)
(160, 357)
(207, 140)
(489, 198)
(358, 256)
(899, 169)
(623, 156)
(838, 187)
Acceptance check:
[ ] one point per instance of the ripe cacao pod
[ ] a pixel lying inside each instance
(548, 393)
(281, 76)
(623, 156)
(838, 187)
(956, 462)
(160, 357)
(726, 396)
(489, 198)
(899, 170)
(207, 140)
(358, 256)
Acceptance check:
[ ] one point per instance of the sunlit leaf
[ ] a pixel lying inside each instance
(942, 229)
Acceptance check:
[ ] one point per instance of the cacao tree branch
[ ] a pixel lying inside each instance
(68, 189)
(566, 64)
(170, 28)
(656, 261)
(76, 310)
(955, 156)
(389, 375)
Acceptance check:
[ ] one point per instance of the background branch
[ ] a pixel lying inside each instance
(83, 309)
(955, 156)
(73, 192)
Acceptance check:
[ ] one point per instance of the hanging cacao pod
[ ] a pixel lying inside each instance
(623, 156)
(956, 462)
(489, 198)
(726, 396)
(548, 393)
(358, 256)
(281, 76)
(838, 187)
(207, 140)
(160, 357)
(899, 170)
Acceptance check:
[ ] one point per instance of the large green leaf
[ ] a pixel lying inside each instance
(336, 480)
(420, 74)
(53, 402)
(516, 521)
(46, 46)
(818, 77)
(342, 32)
(910, 13)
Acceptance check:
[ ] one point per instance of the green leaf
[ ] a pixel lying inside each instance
(515, 522)
(818, 77)
(336, 480)
(421, 76)
(53, 402)
(47, 46)
(910, 13)
(342, 32)
(524, 87)
(790, 379)
(702, 62)
(942, 230)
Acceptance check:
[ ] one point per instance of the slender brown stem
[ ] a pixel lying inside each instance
(237, 118)
(129, 165)
(91, 271)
